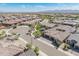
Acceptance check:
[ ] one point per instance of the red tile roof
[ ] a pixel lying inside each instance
(2, 27)
(13, 21)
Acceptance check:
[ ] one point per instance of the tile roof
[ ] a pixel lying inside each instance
(57, 34)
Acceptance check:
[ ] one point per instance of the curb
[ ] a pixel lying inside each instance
(57, 49)
(40, 52)
(66, 52)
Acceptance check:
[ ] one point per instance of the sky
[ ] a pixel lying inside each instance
(36, 7)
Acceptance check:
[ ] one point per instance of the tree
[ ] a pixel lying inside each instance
(38, 26)
(37, 33)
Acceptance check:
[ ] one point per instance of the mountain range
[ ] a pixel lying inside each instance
(60, 11)
(49, 11)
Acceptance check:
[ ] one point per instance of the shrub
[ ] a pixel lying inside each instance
(14, 33)
(14, 26)
(36, 50)
(2, 32)
(29, 46)
(66, 47)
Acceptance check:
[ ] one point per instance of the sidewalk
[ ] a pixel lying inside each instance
(40, 52)
(66, 52)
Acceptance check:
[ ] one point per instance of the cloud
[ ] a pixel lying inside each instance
(38, 7)
(66, 7)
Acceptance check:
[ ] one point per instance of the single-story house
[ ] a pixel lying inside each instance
(11, 50)
(69, 22)
(47, 24)
(9, 47)
(66, 28)
(57, 36)
(2, 27)
(1, 19)
(29, 52)
(31, 21)
(73, 40)
(12, 22)
(57, 21)
(77, 30)
(20, 30)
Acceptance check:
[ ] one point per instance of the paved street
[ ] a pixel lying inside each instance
(49, 50)
(44, 47)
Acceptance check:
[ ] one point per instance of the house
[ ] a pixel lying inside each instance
(66, 28)
(57, 21)
(55, 35)
(31, 21)
(2, 27)
(66, 22)
(24, 19)
(77, 30)
(12, 22)
(73, 40)
(47, 24)
(29, 52)
(69, 22)
(2, 19)
(11, 47)
(11, 50)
